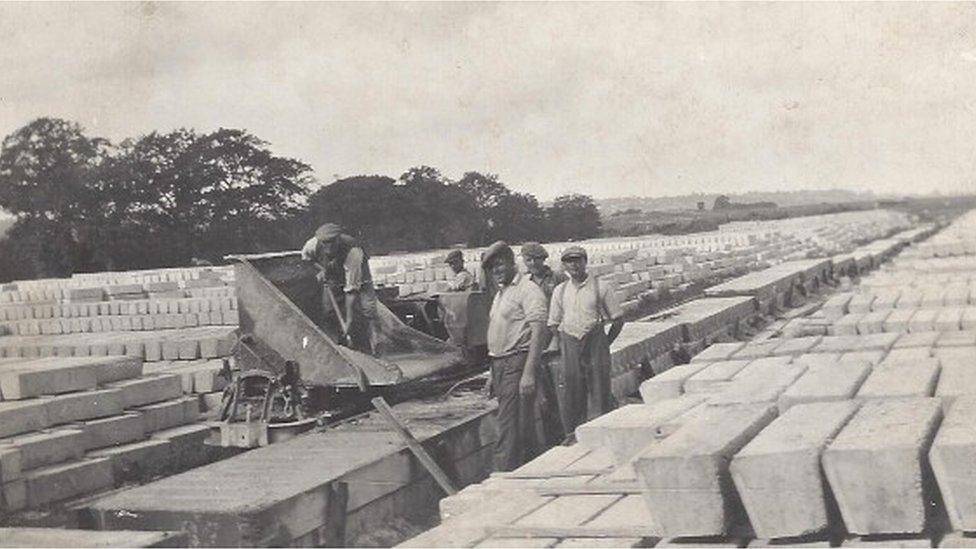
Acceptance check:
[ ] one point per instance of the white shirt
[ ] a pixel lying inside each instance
(575, 309)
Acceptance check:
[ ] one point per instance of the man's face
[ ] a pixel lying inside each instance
(456, 265)
(503, 271)
(331, 247)
(535, 265)
(575, 267)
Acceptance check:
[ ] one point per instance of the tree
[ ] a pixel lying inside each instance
(366, 206)
(518, 218)
(46, 181)
(722, 202)
(573, 217)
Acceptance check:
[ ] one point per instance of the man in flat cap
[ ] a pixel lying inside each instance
(463, 280)
(578, 313)
(345, 272)
(516, 338)
(534, 256)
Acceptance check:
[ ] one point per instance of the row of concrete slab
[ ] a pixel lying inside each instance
(822, 440)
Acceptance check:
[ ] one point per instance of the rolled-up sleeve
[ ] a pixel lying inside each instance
(556, 306)
(354, 270)
(534, 304)
(310, 249)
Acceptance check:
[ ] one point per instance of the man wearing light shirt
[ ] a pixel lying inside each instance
(516, 338)
(463, 280)
(578, 312)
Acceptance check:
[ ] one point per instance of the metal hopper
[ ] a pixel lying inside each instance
(280, 309)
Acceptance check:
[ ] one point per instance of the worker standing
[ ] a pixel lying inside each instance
(534, 256)
(463, 280)
(516, 337)
(345, 273)
(578, 313)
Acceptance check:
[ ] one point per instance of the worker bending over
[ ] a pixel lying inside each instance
(516, 337)
(578, 312)
(463, 280)
(344, 273)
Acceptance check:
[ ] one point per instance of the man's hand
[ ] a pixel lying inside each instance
(527, 383)
(320, 277)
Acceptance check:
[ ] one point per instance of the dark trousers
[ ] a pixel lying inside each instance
(584, 384)
(516, 414)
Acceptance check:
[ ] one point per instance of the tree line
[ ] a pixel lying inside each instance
(85, 204)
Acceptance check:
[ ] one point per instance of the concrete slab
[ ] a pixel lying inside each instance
(113, 430)
(688, 488)
(600, 543)
(72, 407)
(716, 372)
(825, 382)
(968, 321)
(957, 339)
(796, 346)
(963, 355)
(22, 416)
(923, 320)
(871, 357)
(755, 350)
(778, 473)
(899, 319)
(960, 540)
(629, 429)
(717, 351)
(759, 384)
(837, 344)
(137, 461)
(949, 319)
(872, 323)
(876, 342)
(876, 467)
(59, 537)
(670, 383)
(907, 355)
(953, 458)
(149, 389)
(169, 413)
(860, 303)
(567, 511)
(43, 448)
(847, 325)
(901, 381)
(67, 480)
(11, 464)
(46, 376)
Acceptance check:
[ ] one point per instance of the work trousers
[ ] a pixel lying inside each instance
(362, 327)
(584, 381)
(519, 426)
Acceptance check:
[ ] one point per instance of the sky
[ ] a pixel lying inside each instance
(621, 99)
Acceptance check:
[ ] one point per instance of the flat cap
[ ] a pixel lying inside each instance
(454, 255)
(328, 231)
(498, 249)
(573, 251)
(534, 249)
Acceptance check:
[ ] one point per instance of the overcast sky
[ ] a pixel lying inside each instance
(607, 99)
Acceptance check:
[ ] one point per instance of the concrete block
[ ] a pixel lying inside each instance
(113, 430)
(717, 351)
(962, 355)
(756, 350)
(876, 466)
(796, 346)
(907, 355)
(955, 380)
(885, 300)
(847, 325)
(22, 416)
(716, 372)
(759, 384)
(45, 377)
(910, 299)
(948, 319)
(170, 413)
(825, 382)
(766, 364)
(873, 322)
(207, 378)
(11, 464)
(153, 350)
(958, 539)
(188, 448)
(871, 357)
(816, 358)
(898, 320)
(47, 447)
(149, 389)
(189, 349)
(688, 487)
(778, 473)
(82, 406)
(901, 381)
(916, 339)
(860, 303)
(137, 461)
(59, 537)
(923, 320)
(837, 344)
(957, 339)
(629, 429)
(171, 349)
(68, 480)
(13, 496)
(117, 368)
(876, 342)
(968, 321)
(670, 383)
